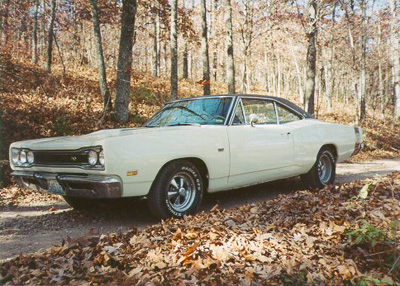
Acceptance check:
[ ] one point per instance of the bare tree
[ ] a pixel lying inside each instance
(124, 65)
(50, 36)
(329, 69)
(230, 63)
(156, 27)
(185, 64)
(174, 50)
(395, 49)
(34, 33)
(204, 48)
(363, 80)
(247, 38)
(105, 93)
(311, 33)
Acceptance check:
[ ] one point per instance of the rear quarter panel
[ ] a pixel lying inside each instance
(310, 135)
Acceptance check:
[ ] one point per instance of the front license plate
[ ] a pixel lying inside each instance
(55, 187)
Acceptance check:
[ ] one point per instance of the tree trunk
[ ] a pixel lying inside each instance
(174, 50)
(363, 80)
(185, 64)
(245, 83)
(298, 72)
(311, 33)
(60, 55)
(381, 91)
(50, 37)
(279, 77)
(204, 48)
(4, 23)
(246, 39)
(230, 63)
(156, 56)
(394, 39)
(124, 66)
(105, 93)
(215, 64)
(42, 33)
(34, 34)
(329, 68)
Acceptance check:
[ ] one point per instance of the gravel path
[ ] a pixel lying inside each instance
(39, 221)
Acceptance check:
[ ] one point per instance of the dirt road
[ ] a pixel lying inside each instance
(34, 226)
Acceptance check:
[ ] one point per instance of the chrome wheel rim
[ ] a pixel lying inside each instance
(324, 168)
(181, 192)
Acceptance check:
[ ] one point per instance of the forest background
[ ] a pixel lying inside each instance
(69, 67)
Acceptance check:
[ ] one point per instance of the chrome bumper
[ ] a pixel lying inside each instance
(85, 186)
(357, 148)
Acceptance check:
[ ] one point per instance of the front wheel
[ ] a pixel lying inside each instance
(176, 191)
(323, 172)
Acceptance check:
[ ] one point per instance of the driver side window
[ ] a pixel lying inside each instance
(263, 109)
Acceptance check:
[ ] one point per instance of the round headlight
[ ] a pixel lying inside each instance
(30, 157)
(14, 156)
(101, 158)
(92, 157)
(22, 157)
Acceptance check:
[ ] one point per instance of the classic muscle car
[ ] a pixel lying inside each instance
(191, 146)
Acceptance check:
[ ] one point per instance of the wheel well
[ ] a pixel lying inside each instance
(199, 164)
(333, 149)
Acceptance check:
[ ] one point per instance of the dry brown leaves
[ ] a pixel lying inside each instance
(15, 196)
(294, 239)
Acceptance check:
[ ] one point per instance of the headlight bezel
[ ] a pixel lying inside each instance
(30, 157)
(93, 158)
(102, 159)
(20, 157)
(15, 155)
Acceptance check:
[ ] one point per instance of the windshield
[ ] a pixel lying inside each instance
(205, 111)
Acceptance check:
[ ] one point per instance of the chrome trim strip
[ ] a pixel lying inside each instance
(89, 179)
(235, 102)
(83, 167)
(228, 118)
(276, 113)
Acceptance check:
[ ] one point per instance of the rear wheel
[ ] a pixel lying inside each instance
(323, 172)
(177, 190)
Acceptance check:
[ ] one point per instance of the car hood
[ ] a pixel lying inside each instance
(91, 139)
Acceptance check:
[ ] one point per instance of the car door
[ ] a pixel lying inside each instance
(259, 151)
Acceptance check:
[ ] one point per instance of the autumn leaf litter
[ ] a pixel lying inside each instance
(300, 238)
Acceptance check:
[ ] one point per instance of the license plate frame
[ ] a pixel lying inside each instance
(54, 187)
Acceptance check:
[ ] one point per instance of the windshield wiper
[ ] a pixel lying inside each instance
(185, 124)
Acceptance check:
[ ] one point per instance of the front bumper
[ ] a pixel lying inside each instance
(84, 186)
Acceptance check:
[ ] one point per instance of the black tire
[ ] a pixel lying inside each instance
(176, 191)
(323, 172)
(81, 204)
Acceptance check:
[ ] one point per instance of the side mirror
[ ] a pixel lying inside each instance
(253, 119)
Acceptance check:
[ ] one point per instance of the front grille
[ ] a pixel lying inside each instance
(61, 157)
(66, 158)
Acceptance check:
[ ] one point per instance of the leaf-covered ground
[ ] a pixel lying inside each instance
(341, 235)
